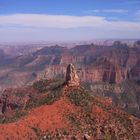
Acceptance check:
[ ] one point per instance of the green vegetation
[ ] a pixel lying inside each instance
(37, 131)
(20, 94)
(52, 96)
(46, 85)
(41, 85)
(87, 85)
(74, 120)
(108, 137)
(80, 97)
(18, 114)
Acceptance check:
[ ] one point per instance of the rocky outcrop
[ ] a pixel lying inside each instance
(13, 99)
(72, 78)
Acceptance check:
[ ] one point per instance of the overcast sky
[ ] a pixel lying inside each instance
(62, 20)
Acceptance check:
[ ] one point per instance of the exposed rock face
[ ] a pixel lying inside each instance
(71, 76)
(94, 63)
(111, 64)
(13, 99)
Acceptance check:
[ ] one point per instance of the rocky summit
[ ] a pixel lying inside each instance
(72, 78)
(100, 99)
(54, 111)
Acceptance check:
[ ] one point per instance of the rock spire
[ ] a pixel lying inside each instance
(72, 78)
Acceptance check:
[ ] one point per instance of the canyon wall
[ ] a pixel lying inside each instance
(94, 63)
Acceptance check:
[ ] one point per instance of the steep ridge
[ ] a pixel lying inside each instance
(56, 110)
(99, 66)
(71, 116)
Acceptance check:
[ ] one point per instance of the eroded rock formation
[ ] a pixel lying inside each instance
(72, 78)
(94, 63)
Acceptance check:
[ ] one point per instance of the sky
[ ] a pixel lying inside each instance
(68, 20)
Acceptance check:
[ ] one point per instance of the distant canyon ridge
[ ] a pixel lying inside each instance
(108, 70)
(111, 63)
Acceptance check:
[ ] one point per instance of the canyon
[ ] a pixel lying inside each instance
(55, 109)
(95, 63)
(108, 70)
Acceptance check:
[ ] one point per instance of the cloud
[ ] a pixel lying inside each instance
(36, 27)
(92, 11)
(137, 15)
(64, 21)
(56, 21)
(117, 11)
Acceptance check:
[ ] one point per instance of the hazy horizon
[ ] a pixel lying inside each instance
(35, 21)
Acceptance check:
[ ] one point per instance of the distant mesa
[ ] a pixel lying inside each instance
(72, 78)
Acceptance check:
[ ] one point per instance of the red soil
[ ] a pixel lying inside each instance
(48, 117)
